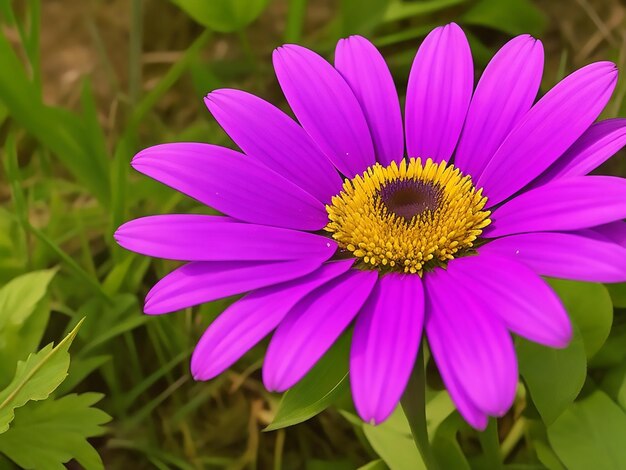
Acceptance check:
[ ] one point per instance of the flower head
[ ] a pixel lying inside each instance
(445, 223)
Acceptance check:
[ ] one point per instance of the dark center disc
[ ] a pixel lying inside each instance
(408, 198)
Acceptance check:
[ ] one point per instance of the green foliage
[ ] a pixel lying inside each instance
(590, 308)
(590, 434)
(24, 314)
(446, 446)
(511, 16)
(392, 441)
(554, 376)
(317, 390)
(66, 184)
(224, 16)
(36, 378)
(48, 434)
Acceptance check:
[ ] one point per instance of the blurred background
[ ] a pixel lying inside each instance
(85, 84)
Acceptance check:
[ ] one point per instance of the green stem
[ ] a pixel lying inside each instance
(490, 443)
(414, 407)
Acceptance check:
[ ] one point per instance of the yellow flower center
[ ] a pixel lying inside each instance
(409, 217)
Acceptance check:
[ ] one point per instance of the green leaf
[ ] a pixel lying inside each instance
(446, 446)
(19, 297)
(546, 456)
(590, 434)
(36, 378)
(510, 16)
(621, 394)
(393, 442)
(554, 377)
(618, 294)
(45, 435)
(358, 20)
(374, 465)
(590, 308)
(24, 314)
(400, 10)
(224, 16)
(317, 390)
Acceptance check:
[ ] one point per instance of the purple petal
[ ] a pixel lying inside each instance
(312, 326)
(385, 343)
(365, 70)
(508, 289)
(326, 107)
(599, 143)
(547, 130)
(203, 281)
(474, 344)
(505, 92)
(212, 238)
(265, 132)
(250, 319)
(615, 231)
(233, 184)
(438, 93)
(475, 417)
(564, 204)
(564, 255)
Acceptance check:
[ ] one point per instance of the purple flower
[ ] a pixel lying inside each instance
(336, 221)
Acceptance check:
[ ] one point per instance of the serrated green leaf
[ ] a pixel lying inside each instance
(36, 378)
(24, 314)
(317, 390)
(510, 16)
(590, 308)
(554, 377)
(48, 434)
(590, 434)
(224, 16)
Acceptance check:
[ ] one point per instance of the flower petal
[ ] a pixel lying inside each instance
(203, 281)
(312, 326)
(475, 417)
(474, 344)
(233, 184)
(548, 130)
(214, 238)
(615, 231)
(250, 319)
(365, 70)
(263, 131)
(326, 107)
(385, 343)
(564, 204)
(438, 93)
(599, 143)
(505, 92)
(564, 255)
(510, 290)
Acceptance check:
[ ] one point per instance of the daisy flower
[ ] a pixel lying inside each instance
(442, 224)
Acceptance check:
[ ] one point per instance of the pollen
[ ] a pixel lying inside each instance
(408, 217)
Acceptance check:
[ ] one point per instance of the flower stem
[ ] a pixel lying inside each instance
(414, 407)
(490, 443)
